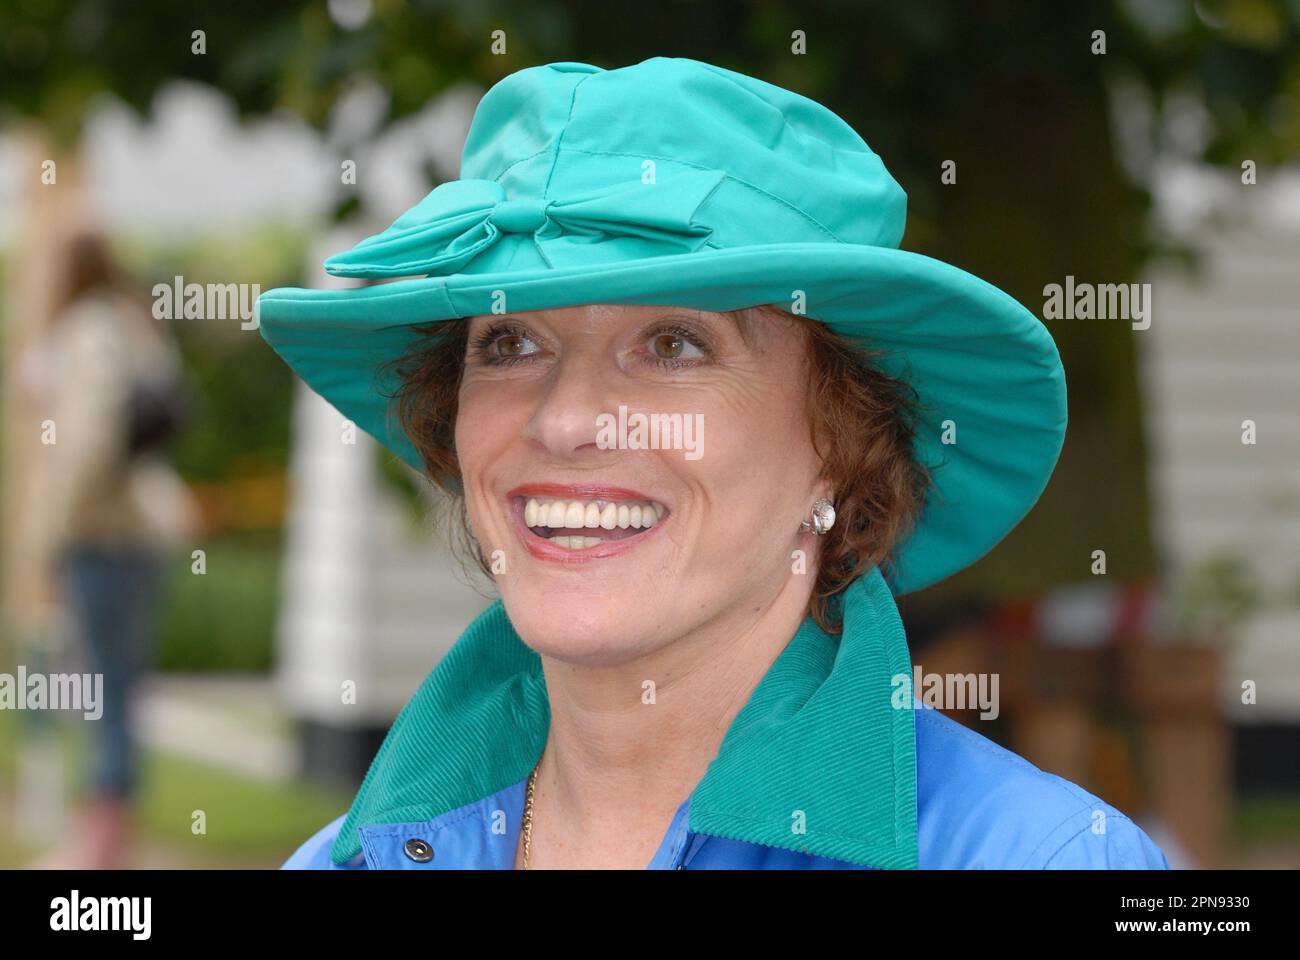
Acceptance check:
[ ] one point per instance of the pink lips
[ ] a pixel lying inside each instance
(542, 549)
(583, 491)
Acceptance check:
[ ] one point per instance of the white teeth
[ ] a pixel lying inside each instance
(555, 516)
(576, 543)
(575, 515)
(591, 515)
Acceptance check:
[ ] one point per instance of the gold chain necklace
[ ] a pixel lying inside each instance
(528, 812)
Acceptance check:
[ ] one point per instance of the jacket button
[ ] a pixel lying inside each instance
(418, 850)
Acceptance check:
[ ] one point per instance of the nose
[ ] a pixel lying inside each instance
(575, 394)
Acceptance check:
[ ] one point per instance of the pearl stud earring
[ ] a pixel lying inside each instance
(823, 518)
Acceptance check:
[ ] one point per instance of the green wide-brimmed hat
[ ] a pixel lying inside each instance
(674, 182)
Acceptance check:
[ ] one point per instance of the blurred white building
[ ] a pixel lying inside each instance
(1224, 348)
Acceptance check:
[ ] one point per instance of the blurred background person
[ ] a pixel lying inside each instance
(109, 374)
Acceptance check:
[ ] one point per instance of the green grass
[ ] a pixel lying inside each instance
(12, 853)
(246, 819)
(1266, 817)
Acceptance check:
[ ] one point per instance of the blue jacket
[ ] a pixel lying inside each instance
(826, 767)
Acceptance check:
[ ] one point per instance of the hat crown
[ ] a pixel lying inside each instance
(795, 171)
(572, 165)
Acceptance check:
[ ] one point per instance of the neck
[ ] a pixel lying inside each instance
(628, 742)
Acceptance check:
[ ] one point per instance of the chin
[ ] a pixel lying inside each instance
(580, 626)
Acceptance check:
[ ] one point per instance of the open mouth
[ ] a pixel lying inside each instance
(587, 524)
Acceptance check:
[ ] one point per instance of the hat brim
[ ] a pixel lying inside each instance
(986, 370)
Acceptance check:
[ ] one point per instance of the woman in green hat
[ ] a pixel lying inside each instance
(706, 421)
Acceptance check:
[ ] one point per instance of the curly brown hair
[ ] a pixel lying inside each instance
(862, 424)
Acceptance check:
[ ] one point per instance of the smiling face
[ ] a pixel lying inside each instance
(621, 527)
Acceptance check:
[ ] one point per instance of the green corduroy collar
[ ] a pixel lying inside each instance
(818, 761)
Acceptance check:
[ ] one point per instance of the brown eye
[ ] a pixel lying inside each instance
(502, 344)
(671, 346)
(510, 345)
(668, 346)
(506, 346)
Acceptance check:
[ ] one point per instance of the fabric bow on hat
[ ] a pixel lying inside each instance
(459, 220)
